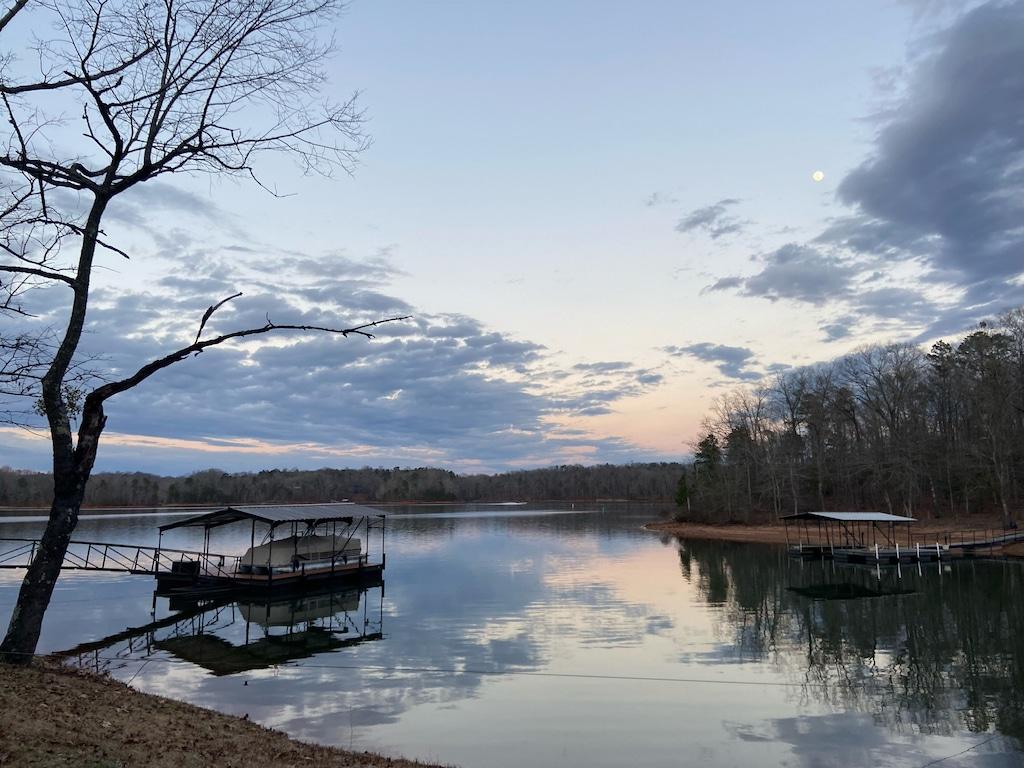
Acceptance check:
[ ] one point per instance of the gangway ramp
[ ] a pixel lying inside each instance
(119, 558)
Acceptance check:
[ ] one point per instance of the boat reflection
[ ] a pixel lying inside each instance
(227, 635)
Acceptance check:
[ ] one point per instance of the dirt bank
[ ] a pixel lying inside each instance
(922, 531)
(54, 717)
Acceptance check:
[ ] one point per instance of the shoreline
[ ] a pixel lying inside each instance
(775, 533)
(182, 509)
(59, 716)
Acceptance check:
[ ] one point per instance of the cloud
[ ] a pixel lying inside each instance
(603, 367)
(659, 199)
(940, 196)
(137, 207)
(592, 388)
(944, 185)
(439, 389)
(839, 328)
(797, 272)
(731, 362)
(946, 180)
(928, 8)
(895, 302)
(714, 220)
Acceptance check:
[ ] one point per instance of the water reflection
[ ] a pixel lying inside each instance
(932, 650)
(541, 636)
(225, 636)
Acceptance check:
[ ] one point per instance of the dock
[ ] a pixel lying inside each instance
(869, 538)
(288, 564)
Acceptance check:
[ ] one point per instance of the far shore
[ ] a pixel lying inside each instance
(54, 716)
(10, 511)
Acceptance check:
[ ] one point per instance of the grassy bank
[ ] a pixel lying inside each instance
(55, 717)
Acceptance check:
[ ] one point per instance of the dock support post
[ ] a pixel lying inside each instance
(897, 553)
(270, 552)
(876, 551)
(938, 551)
(918, 551)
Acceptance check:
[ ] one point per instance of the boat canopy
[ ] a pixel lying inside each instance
(850, 517)
(274, 515)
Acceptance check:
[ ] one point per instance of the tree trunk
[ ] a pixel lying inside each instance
(19, 645)
(70, 475)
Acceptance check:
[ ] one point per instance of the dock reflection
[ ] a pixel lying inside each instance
(227, 635)
(937, 649)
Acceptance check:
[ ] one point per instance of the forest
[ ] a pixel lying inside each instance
(647, 482)
(894, 428)
(888, 427)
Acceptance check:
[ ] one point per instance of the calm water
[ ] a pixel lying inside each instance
(518, 636)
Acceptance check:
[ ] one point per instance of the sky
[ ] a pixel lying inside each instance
(600, 216)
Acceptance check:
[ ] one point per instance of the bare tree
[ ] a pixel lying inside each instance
(157, 87)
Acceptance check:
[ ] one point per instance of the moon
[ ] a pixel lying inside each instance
(818, 176)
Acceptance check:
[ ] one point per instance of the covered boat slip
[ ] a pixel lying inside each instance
(856, 537)
(289, 545)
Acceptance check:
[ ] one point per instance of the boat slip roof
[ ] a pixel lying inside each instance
(273, 515)
(851, 517)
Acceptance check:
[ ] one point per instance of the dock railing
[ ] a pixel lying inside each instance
(982, 538)
(121, 558)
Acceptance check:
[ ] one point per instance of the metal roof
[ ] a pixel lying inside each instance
(274, 515)
(852, 517)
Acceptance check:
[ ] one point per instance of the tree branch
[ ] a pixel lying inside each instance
(209, 313)
(12, 12)
(96, 398)
(39, 273)
(72, 79)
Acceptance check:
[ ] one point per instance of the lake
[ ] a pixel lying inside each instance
(511, 636)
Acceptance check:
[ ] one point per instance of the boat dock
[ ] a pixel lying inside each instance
(298, 546)
(870, 538)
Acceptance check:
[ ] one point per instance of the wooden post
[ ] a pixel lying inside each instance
(270, 554)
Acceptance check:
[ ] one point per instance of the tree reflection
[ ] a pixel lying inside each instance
(935, 650)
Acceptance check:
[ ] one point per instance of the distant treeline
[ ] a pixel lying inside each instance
(631, 481)
(887, 428)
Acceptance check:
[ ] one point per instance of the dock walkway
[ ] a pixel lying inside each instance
(955, 544)
(118, 558)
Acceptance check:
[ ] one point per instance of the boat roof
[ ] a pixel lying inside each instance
(276, 514)
(851, 517)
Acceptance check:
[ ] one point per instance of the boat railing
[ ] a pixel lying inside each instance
(362, 560)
